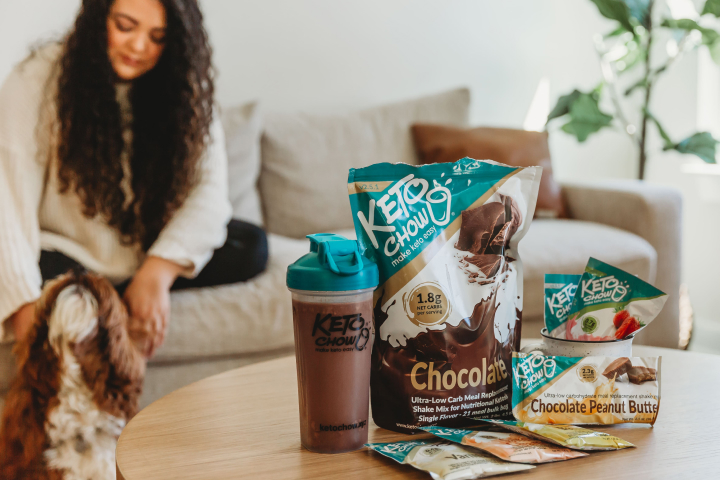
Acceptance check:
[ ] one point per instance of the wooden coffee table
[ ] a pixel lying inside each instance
(244, 424)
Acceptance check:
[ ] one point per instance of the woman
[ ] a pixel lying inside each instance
(111, 158)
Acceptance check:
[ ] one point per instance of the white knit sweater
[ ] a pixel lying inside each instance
(35, 216)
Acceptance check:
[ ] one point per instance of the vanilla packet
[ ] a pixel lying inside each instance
(508, 446)
(570, 436)
(585, 390)
(446, 461)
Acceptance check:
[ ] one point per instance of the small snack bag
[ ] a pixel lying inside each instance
(507, 446)
(559, 292)
(446, 461)
(610, 304)
(585, 390)
(570, 436)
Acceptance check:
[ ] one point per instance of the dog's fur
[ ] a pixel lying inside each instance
(79, 379)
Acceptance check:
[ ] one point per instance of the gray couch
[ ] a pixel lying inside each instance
(298, 171)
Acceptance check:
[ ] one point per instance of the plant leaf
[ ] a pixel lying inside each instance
(701, 144)
(562, 107)
(586, 117)
(615, 10)
(634, 56)
(681, 23)
(639, 10)
(618, 31)
(715, 52)
(712, 7)
(666, 138)
(597, 91)
(709, 36)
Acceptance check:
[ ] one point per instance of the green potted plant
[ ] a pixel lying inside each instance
(627, 52)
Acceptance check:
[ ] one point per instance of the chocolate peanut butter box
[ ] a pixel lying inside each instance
(449, 306)
(585, 390)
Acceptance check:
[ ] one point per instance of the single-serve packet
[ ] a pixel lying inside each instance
(445, 460)
(585, 390)
(508, 446)
(570, 436)
(559, 293)
(611, 304)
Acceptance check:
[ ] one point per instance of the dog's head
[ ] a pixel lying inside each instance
(82, 334)
(82, 314)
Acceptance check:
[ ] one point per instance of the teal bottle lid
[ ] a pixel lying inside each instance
(334, 264)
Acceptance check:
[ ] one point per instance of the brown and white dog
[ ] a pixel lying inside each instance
(80, 375)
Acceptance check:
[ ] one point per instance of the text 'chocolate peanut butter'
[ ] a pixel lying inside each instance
(585, 390)
(448, 308)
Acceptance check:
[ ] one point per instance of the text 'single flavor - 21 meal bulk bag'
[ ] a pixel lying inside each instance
(449, 304)
(559, 292)
(611, 304)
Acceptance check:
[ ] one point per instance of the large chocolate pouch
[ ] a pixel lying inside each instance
(449, 305)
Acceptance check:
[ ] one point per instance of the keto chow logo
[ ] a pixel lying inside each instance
(409, 214)
(602, 289)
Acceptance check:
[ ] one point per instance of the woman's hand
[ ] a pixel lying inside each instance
(22, 320)
(148, 298)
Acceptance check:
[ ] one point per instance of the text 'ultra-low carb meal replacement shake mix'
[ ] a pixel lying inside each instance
(449, 304)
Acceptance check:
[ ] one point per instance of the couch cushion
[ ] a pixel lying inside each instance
(253, 317)
(243, 127)
(519, 148)
(306, 158)
(256, 316)
(248, 317)
(564, 246)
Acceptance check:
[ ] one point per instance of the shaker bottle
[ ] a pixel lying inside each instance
(332, 292)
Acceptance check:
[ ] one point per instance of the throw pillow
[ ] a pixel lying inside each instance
(306, 158)
(243, 128)
(519, 148)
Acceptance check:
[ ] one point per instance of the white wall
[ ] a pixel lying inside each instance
(325, 55)
(334, 55)
(27, 22)
(329, 55)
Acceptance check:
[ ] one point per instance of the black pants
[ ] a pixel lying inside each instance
(243, 256)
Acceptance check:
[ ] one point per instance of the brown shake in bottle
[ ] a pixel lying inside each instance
(332, 316)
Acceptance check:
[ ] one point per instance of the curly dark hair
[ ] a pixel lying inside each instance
(172, 109)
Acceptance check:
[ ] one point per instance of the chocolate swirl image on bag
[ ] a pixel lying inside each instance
(449, 305)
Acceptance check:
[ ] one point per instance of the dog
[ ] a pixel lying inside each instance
(80, 375)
